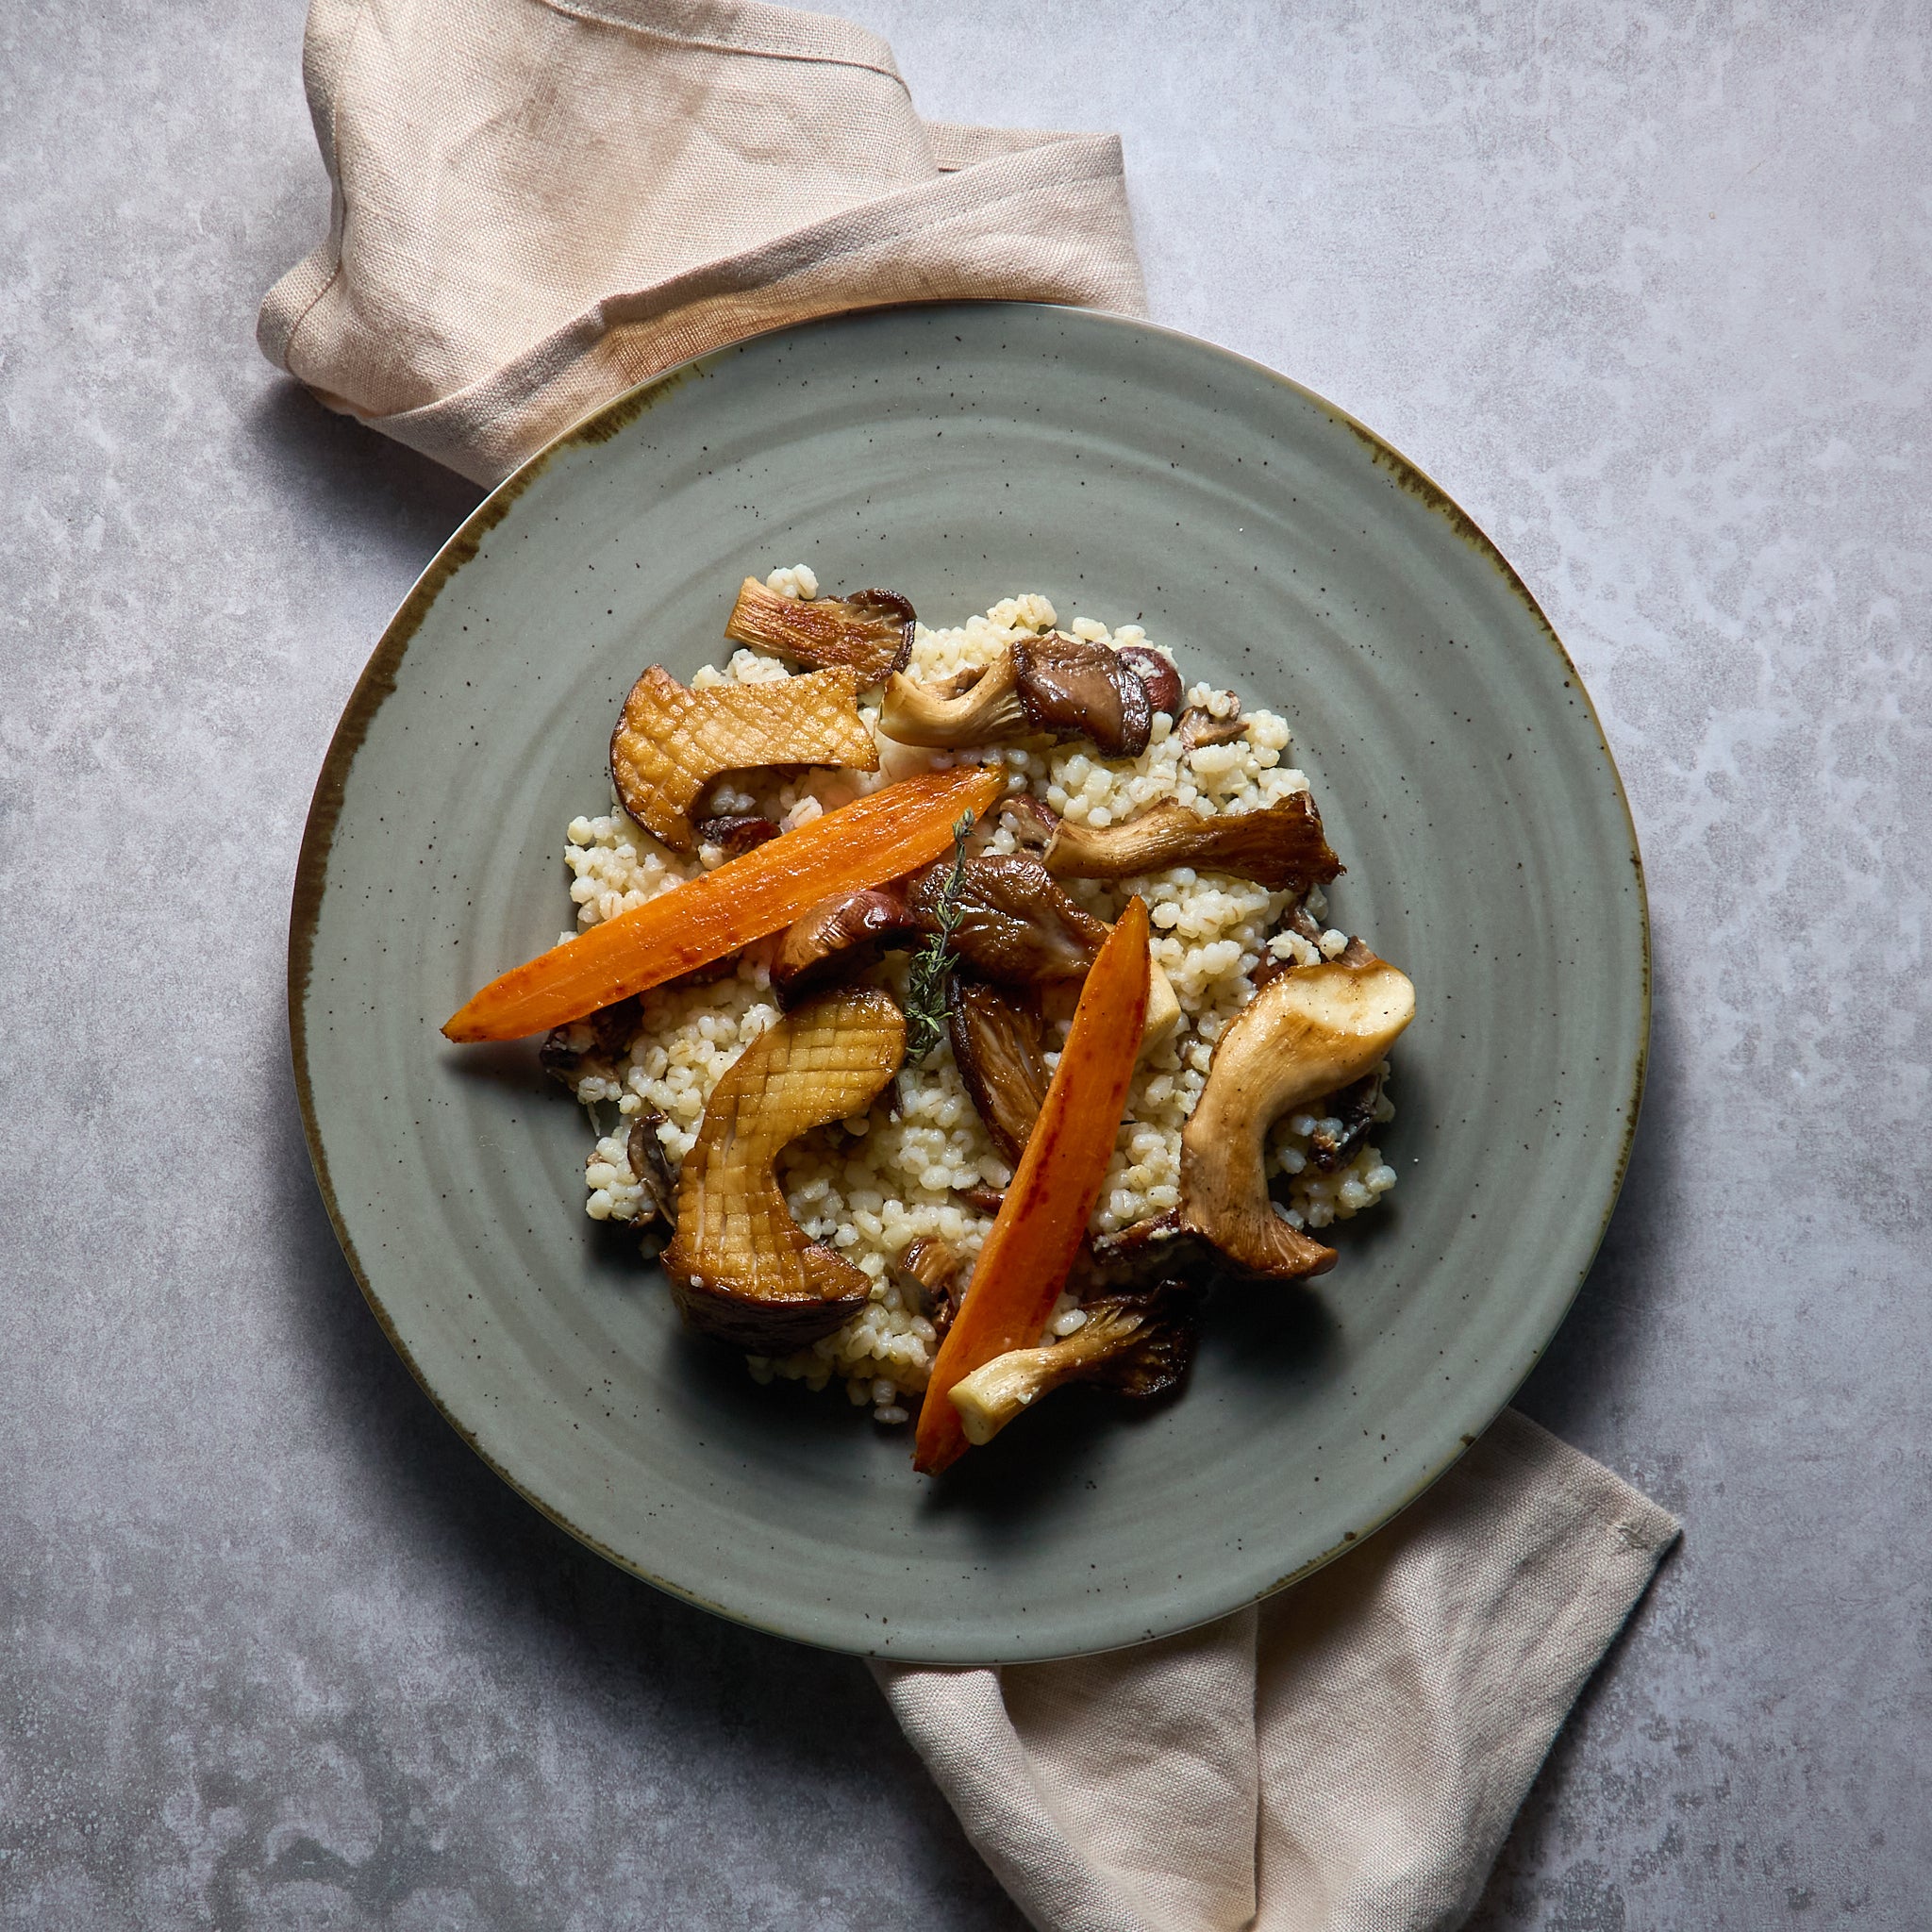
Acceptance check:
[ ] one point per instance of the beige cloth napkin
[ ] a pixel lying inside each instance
(1346, 1757)
(537, 204)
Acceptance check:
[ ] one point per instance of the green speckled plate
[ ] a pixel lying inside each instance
(958, 452)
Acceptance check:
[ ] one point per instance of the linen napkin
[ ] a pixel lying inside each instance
(537, 204)
(1345, 1757)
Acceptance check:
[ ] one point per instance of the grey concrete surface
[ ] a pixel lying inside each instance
(1646, 288)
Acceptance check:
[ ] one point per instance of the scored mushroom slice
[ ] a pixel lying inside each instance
(1280, 846)
(1301, 1036)
(839, 938)
(671, 740)
(739, 1267)
(871, 632)
(997, 1037)
(1140, 1346)
(1054, 686)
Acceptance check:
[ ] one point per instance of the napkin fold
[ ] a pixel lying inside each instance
(1345, 1757)
(537, 205)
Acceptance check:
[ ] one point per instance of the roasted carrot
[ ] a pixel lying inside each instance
(1030, 1247)
(878, 837)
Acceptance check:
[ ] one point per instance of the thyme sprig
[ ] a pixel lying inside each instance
(932, 965)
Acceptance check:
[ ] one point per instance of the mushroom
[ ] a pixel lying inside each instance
(590, 1049)
(870, 632)
(996, 1044)
(650, 1167)
(1139, 1344)
(1054, 686)
(1016, 925)
(1162, 681)
(671, 741)
(1345, 1126)
(1303, 1035)
(1279, 847)
(735, 834)
(1199, 726)
(739, 1267)
(837, 939)
(935, 1267)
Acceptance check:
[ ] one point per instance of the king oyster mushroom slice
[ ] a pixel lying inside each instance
(869, 631)
(671, 741)
(1303, 1036)
(739, 1267)
(1139, 1344)
(1280, 846)
(1054, 686)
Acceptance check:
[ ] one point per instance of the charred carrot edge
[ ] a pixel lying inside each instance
(875, 837)
(1031, 1245)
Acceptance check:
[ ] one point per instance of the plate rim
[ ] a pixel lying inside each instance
(377, 681)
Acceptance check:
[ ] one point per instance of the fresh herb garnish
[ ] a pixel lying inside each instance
(932, 965)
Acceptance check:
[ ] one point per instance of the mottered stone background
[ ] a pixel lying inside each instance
(1647, 289)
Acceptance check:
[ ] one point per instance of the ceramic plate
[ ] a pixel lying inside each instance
(958, 454)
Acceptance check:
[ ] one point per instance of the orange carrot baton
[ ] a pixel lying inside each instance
(1030, 1248)
(875, 837)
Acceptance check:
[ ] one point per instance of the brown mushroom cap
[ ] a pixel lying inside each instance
(1162, 681)
(643, 1154)
(1280, 846)
(671, 741)
(871, 632)
(735, 833)
(1016, 925)
(1072, 688)
(739, 1267)
(837, 939)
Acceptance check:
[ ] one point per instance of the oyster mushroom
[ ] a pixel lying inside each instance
(1345, 1126)
(650, 1167)
(590, 1049)
(739, 1267)
(1279, 847)
(869, 631)
(1139, 1344)
(1054, 686)
(996, 1036)
(1305, 1035)
(1198, 725)
(671, 741)
(1016, 925)
(934, 1265)
(837, 939)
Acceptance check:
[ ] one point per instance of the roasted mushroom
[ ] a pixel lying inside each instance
(839, 938)
(1341, 1131)
(671, 741)
(735, 834)
(1139, 1344)
(590, 1049)
(870, 632)
(935, 1268)
(1016, 925)
(739, 1267)
(1162, 681)
(996, 1038)
(1055, 686)
(1198, 725)
(1279, 847)
(643, 1154)
(1305, 1035)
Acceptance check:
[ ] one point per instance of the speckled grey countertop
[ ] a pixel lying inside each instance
(1647, 290)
